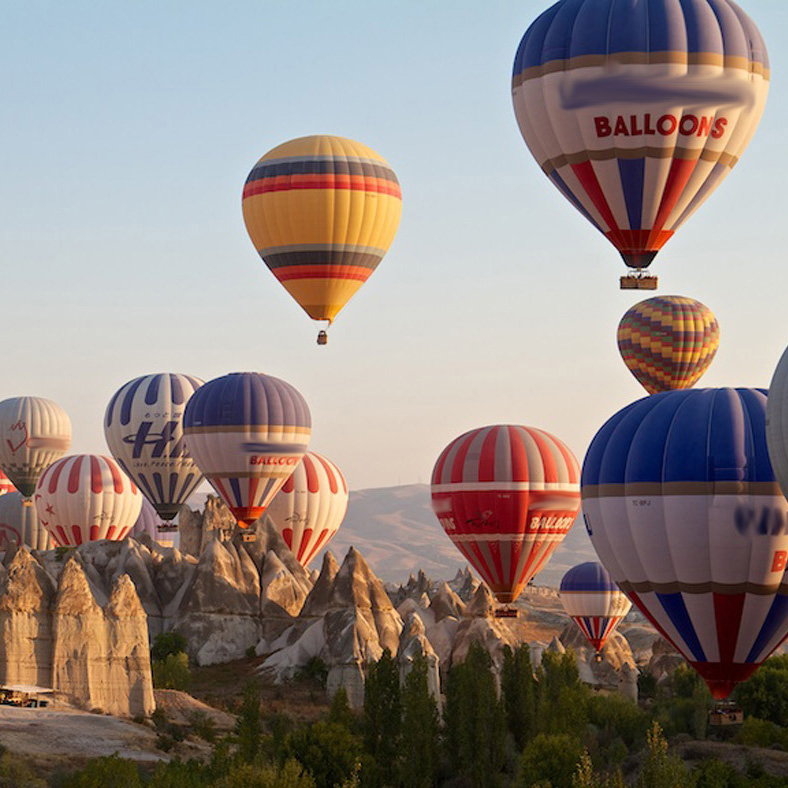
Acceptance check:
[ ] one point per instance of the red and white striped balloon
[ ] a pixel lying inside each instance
(506, 496)
(6, 485)
(86, 497)
(310, 507)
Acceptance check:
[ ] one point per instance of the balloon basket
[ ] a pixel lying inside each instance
(639, 282)
(598, 657)
(725, 712)
(167, 529)
(248, 537)
(322, 338)
(507, 612)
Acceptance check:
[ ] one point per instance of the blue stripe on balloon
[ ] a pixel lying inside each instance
(128, 400)
(674, 606)
(148, 491)
(589, 576)
(177, 394)
(152, 392)
(157, 481)
(111, 406)
(633, 174)
(173, 486)
(235, 486)
(772, 625)
(186, 488)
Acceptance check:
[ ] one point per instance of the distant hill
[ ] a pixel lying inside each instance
(397, 532)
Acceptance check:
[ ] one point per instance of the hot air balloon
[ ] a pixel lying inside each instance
(594, 602)
(309, 508)
(19, 523)
(143, 426)
(668, 342)
(637, 111)
(5, 484)
(681, 505)
(506, 496)
(322, 212)
(147, 523)
(777, 422)
(86, 497)
(34, 432)
(247, 433)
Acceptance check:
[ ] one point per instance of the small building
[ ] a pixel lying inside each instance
(26, 696)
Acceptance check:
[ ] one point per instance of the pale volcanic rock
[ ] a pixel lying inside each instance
(101, 655)
(413, 643)
(481, 604)
(446, 602)
(489, 632)
(318, 599)
(219, 614)
(413, 607)
(441, 637)
(268, 539)
(280, 592)
(464, 584)
(198, 528)
(26, 595)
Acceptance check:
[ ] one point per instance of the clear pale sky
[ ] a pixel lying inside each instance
(128, 132)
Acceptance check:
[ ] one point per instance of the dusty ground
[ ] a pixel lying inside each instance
(44, 734)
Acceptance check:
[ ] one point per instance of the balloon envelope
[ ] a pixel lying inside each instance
(637, 111)
(593, 601)
(506, 496)
(86, 497)
(143, 427)
(19, 523)
(310, 507)
(34, 432)
(322, 211)
(668, 342)
(682, 508)
(247, 432)
(5, 484)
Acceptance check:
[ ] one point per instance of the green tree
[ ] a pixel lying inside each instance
(420, 729)
(474, 720)
(328, 750)
(172, 672)
(167, 643)
(382, 723)
(765, 693)
(245, 775)
(518, 693)
(562, 699)
(340, 710)
(103, 772)
(15, 773)
(249, 725)
(177, 774)
(550, 757)
(712, 773)
(586, 777)
(660, 769)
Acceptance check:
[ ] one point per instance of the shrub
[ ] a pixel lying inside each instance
(172, 672)
(550, 757)
(167, 643)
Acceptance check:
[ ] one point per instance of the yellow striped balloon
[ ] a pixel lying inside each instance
(322, 211)
(668, 342)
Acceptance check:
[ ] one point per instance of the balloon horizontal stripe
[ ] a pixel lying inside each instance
(326, 181)
(706, 587)
(568, 487)
(346, 272)
(328, 259)
(252, 429)
(352, 165)
(644, 152)
(641, 58)
(661, 489)
(545, 535)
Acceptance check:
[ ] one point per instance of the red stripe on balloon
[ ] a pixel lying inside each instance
(679, 175)
(305, 537)
(284, 183)
(287, 535)
(64, 540)
(57, 470)
(326, 271)
(312, 482)
(94, 532)
(77, 532)
(96, 482)
(485, 470)
(332, 472)
(548, 461)
(588, 180)
(519, 458)
(117, 478)
(73, 476)
(110, 532)
(458, 467)
(321, 540)
(727, 614)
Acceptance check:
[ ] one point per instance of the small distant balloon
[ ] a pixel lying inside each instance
(34, 432)
(19, 523)
(86, 497)
(310, 507)
(593, 601)
(668, 342)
